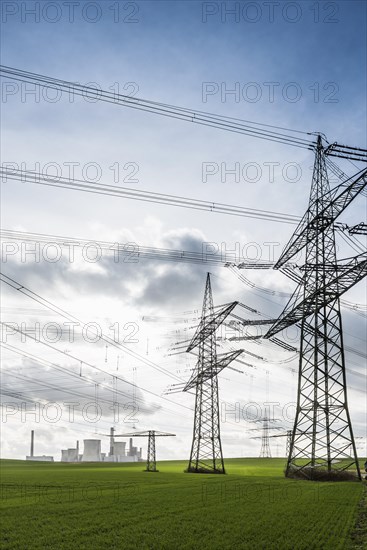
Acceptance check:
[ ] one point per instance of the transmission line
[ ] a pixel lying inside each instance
(144, 196)
(253, 129)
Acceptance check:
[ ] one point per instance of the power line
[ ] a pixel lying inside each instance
(145, 196)
(49, 305)
(253, 129)
(133, 251)
(76, 376)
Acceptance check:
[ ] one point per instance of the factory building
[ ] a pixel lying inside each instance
(70, 455)
(119, 449)
(39, 458)
(64, 455)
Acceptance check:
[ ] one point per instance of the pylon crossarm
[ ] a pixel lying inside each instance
(359, 229)
(209, 325)
(254, 322)
(212, 370)
(343, 281)
(346, 152)
(308, 229)
(146, 434)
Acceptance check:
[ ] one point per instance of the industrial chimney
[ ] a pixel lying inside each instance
(112, 441)
(32, 443)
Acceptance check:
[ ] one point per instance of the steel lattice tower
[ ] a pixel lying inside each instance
(288, 443)
(206, 450)
(265, 451)
(151, 435)
(151, 460)
(322, 434)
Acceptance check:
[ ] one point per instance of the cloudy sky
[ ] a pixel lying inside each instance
(290, 65)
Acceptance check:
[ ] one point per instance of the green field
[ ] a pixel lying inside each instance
(118, 506)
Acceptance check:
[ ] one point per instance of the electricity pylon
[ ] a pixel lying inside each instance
(288, 443)
(265, 451)
(151, 435)
(206, 451)
(288, 435)
(322, 435)
(151, 458)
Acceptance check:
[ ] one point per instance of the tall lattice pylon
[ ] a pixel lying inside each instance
(322, 435)
(206, 450)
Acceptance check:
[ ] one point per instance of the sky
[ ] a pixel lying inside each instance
(298, 65)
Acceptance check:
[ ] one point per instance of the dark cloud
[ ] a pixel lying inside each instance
(28, 382)
(157, 283)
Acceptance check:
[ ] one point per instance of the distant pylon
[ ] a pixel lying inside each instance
(151, 461)
(265, 451)
(151, 435)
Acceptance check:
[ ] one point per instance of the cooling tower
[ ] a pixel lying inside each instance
(64, 455)
(72, 455)
(92, 450)
(119, 448)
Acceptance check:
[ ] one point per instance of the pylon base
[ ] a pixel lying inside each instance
(203, 471)
(321, 474)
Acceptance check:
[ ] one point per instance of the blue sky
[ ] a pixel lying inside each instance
(169, 54)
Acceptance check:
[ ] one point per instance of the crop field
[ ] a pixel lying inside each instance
(119, 506)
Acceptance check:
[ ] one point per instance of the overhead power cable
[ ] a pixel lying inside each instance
(132, 252)
(259, 130)
(254, 129)
(358, 308)
(79, 377)
(49, 305)
(145, 196)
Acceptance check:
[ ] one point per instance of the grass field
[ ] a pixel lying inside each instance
(118, 506)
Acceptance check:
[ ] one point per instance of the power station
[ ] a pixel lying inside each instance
(93, 452)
